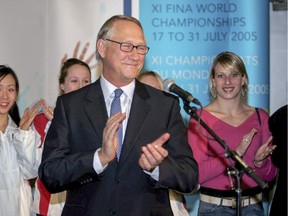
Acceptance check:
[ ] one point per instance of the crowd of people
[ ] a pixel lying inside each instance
(141, 159)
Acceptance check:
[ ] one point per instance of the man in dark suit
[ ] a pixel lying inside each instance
(278, 128)
(80, 148)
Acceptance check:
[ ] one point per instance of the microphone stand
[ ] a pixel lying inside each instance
(229, 154)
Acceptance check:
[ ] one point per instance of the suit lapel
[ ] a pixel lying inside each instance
(139, 110)
(96, 108)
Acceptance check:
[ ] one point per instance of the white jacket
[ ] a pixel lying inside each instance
(18, 164)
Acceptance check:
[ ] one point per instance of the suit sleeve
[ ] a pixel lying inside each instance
(179, 170)
(58, 165)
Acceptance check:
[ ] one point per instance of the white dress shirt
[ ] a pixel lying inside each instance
(126, 101)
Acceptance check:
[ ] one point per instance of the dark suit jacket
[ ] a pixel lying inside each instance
(123, 188)
(278, 128)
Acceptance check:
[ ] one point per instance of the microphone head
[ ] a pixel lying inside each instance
(167, 83)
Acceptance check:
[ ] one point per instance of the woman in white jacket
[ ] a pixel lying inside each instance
(17, 149)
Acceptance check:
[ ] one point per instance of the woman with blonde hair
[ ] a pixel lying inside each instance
(244, 129)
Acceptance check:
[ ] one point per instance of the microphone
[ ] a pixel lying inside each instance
(170, 86)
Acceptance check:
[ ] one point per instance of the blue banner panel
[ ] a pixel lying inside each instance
(185, 36)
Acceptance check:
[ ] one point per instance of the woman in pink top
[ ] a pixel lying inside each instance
(244, 129)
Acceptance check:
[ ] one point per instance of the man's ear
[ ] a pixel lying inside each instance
(101, 46)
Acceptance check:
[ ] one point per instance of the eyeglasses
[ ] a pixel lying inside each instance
(128, 47)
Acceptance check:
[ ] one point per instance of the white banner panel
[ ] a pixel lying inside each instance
(35, 35)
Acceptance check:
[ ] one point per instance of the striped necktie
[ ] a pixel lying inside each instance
(116, 107)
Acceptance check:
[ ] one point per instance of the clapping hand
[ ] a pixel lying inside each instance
(154, 153)
(245, 143)
(110, 142)
(47, 110)
(264, 152)
(28, 117)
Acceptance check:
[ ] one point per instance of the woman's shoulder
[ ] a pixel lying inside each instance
(211, 110)
(261, 111)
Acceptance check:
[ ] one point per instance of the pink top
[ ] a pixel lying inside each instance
(210, 154)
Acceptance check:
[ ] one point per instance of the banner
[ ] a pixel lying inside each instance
(185, 36)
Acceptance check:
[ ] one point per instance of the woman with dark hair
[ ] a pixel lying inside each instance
(17, 148)
(74, 74)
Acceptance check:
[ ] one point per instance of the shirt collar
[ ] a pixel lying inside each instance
(108, 88)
